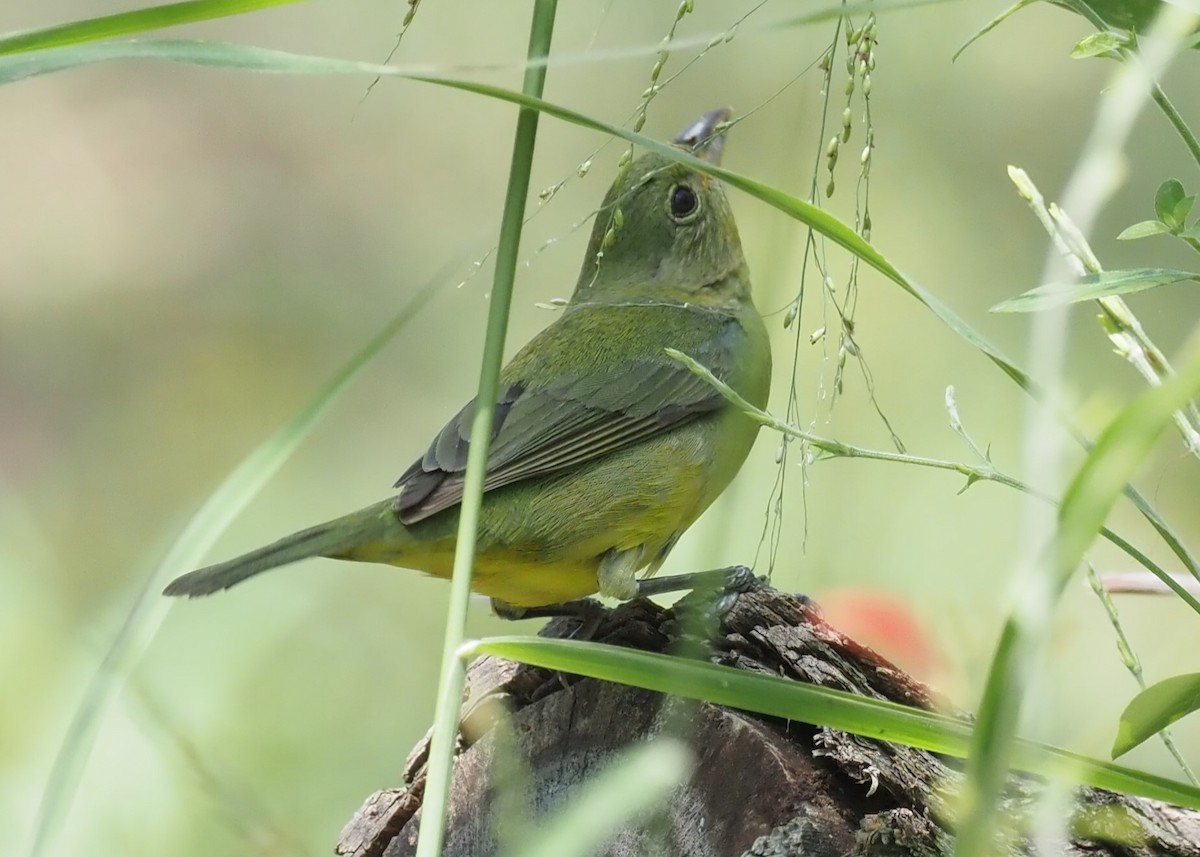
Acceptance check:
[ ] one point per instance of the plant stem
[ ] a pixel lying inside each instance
(986, 473)
(1134, 664)
(1180, 126)
(1121, 326)
(445, 726)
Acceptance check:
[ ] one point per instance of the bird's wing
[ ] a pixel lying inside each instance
(575, 418)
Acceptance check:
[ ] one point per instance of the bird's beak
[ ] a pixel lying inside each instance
(705, 138)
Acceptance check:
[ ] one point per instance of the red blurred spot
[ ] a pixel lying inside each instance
(887, 624)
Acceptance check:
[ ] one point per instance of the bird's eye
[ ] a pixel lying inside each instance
(682, 202)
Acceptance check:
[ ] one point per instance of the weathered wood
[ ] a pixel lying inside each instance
(762, 787)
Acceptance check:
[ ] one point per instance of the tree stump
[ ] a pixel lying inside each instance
(761, 787)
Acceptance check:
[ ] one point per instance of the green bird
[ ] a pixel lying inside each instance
(604, 449)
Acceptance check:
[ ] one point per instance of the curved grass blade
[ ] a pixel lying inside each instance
(148, 610)
(231, 55)
(129, 23)
(1086, 504)
(1093, 286)
(820, 706)
(444, 734)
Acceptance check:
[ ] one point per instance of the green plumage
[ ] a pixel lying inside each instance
(604, 450)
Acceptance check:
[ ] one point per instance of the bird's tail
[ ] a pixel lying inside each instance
(333, 538)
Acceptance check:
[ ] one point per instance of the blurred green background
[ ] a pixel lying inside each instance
(190, 253)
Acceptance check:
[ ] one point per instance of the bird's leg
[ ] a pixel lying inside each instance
(718, 588)
(733, 580)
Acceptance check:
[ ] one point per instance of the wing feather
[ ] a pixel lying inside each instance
(573, 419)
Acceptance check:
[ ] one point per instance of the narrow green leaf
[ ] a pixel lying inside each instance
(1169, 195)
(219, 54)
(1093, 286)
(778, 697)
(1114, 460)
(637, 782)
(128, 23)
(1156, 708)
(1106, 43)
(444, 734)
(1144, 229)
(1087, 502)
(148, 610)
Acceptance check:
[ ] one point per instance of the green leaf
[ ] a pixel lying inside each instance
(1182, 209)
(128, 23)
(1156, 708)
(1105, 43)
(1144, 229)
(820, 706)
(1169, 195)
(1093, 286)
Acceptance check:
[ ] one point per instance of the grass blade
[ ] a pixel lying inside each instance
(146, 614)
(1086, 504)
(820, 706)
(434, 807)
(129, 23)
(1092, 287)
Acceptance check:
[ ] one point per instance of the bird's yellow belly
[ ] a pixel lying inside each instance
(541, 542)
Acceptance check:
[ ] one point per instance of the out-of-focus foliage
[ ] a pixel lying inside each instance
(189, 253)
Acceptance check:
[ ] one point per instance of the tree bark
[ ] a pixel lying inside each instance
(761, 787)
